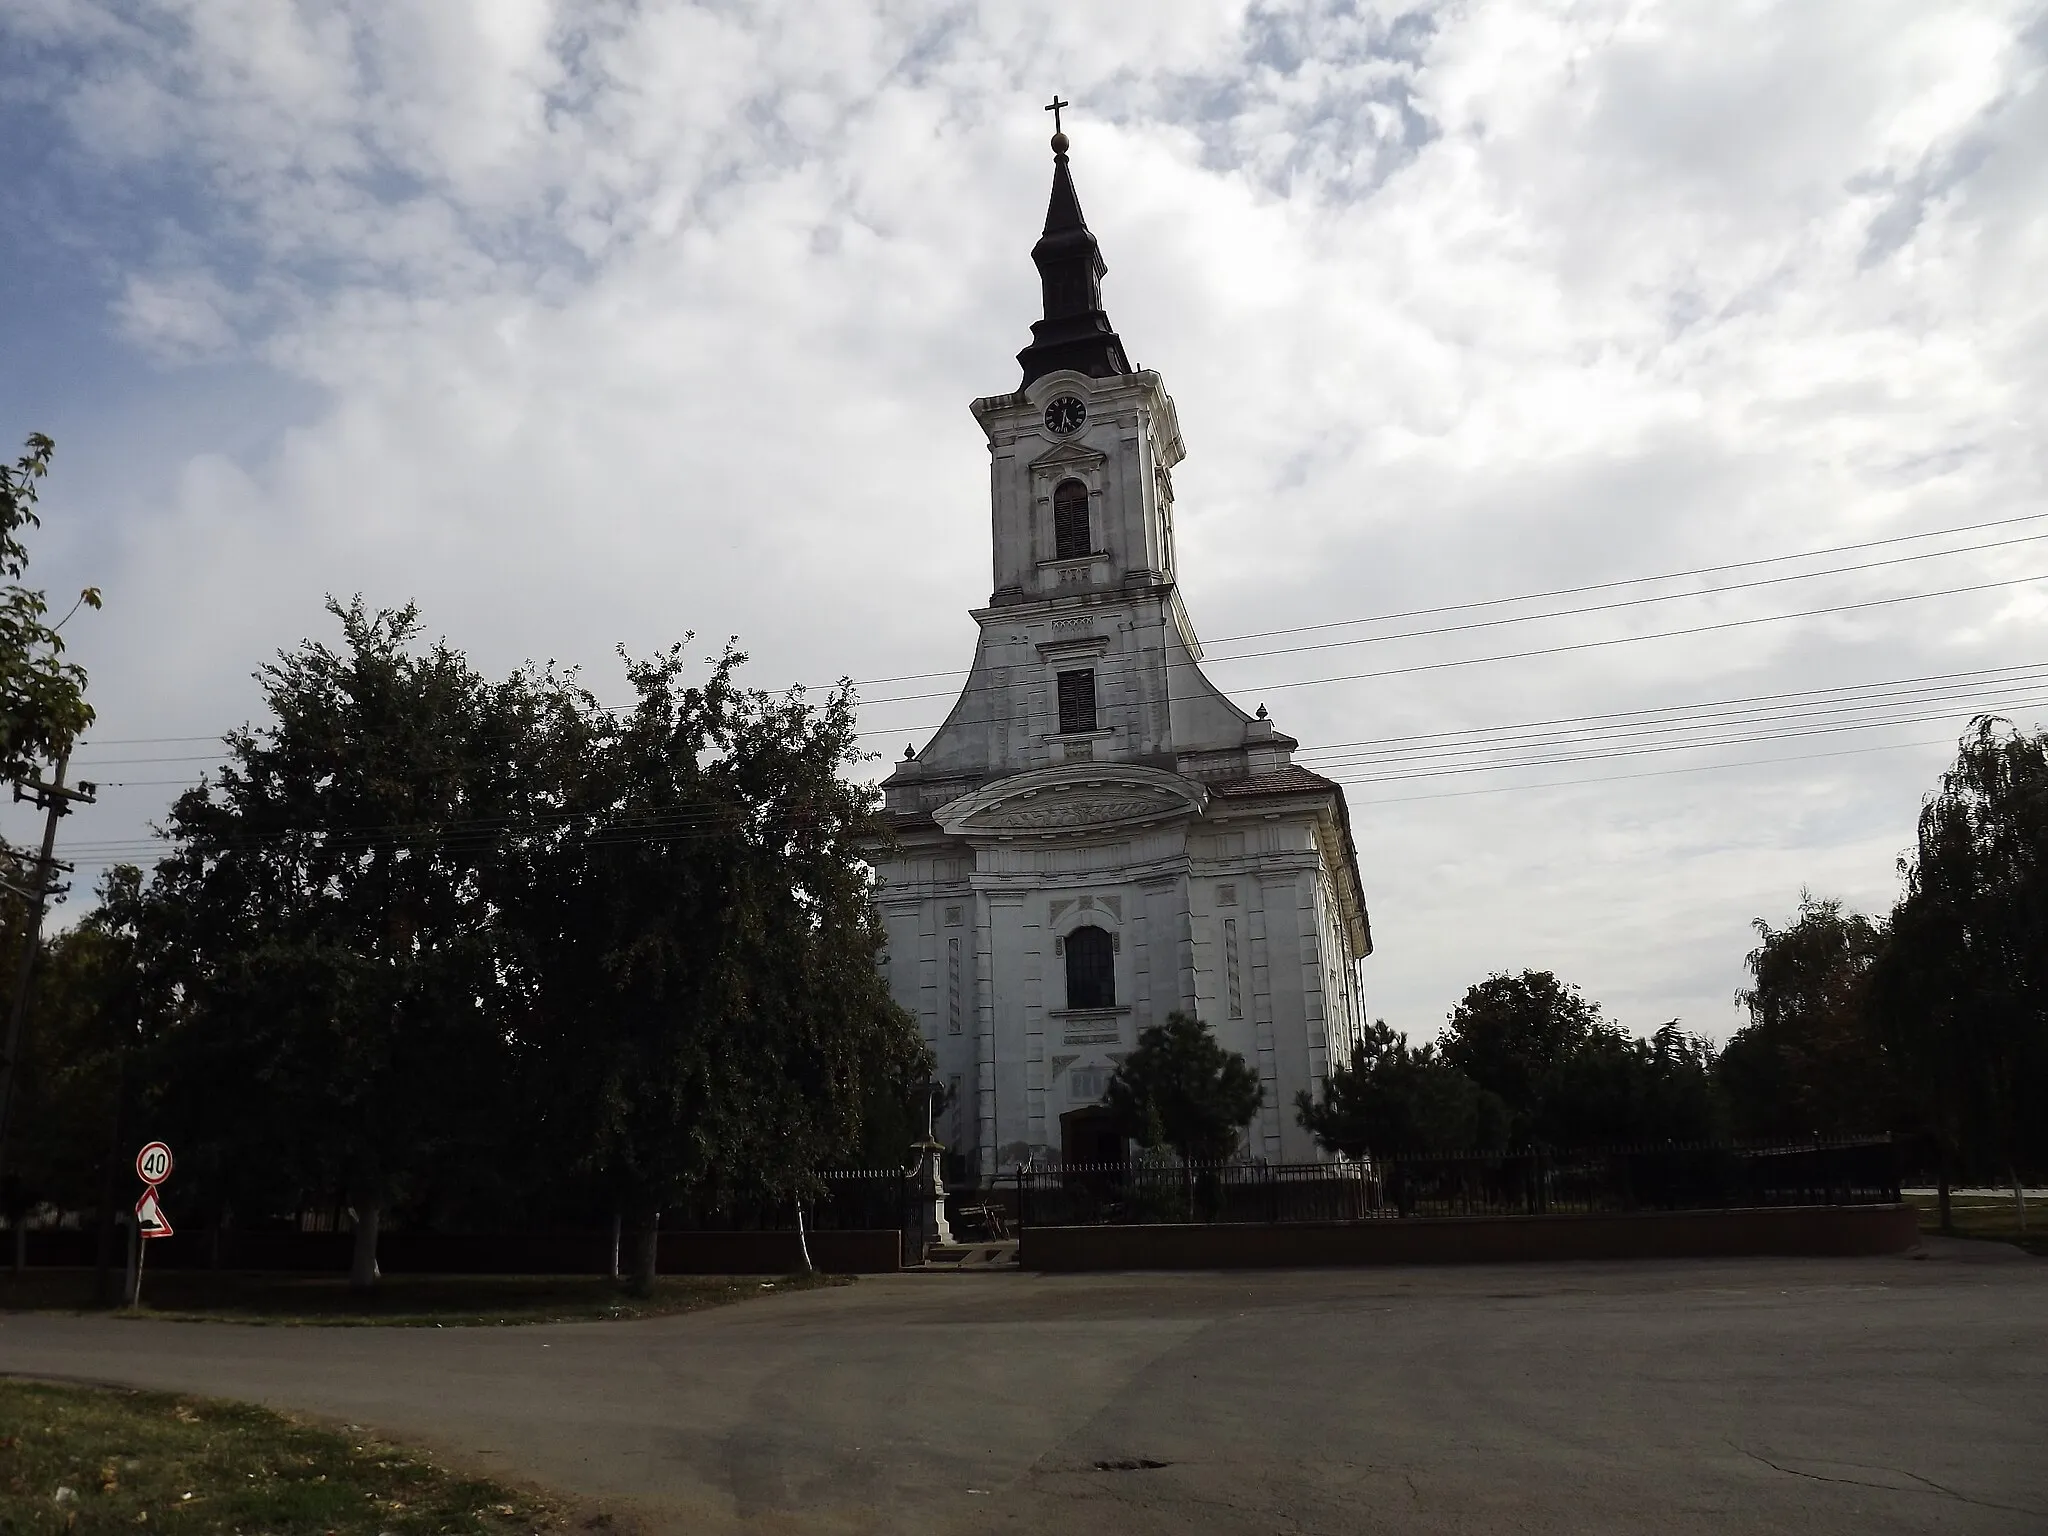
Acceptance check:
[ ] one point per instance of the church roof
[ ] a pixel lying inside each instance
(1296, 780)
(1291, 780)
(1075, 332)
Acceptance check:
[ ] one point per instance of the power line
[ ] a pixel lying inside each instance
(1608, 586)
(1664, 634)
(1705, 570)
(1977, 687)
(1650, 773)
(704, 823)
(1569, 613)
(1814, 712)
(1496, 789)
(1411, 613)
(1442, 770)
(708, 820)
(1981, 674)
(1520, 655)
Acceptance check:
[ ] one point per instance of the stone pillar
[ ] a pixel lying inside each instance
(928, 1192)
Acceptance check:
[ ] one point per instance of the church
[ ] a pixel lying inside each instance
(1096, 836)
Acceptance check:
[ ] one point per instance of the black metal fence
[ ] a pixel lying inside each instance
(1540, 1182)
(861, 1200)
(1138, 1193)
(1655, 1178)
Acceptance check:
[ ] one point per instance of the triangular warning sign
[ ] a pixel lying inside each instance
(150, 1217)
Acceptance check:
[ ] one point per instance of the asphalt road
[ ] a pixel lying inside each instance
(1811, 1396)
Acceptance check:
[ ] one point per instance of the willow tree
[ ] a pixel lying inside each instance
(1960, 991)
(1808, 1061)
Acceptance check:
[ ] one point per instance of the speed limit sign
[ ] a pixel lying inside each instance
(153, 1163)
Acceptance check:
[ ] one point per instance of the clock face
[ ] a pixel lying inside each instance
(1065, 415)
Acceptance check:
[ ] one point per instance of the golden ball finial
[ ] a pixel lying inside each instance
(1059, 143)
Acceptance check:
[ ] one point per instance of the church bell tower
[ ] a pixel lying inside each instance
(1075, 332)
(1097, 836)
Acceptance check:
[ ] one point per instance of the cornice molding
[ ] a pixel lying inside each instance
(1073, 798)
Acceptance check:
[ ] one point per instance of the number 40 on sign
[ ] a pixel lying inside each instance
(152, 1166)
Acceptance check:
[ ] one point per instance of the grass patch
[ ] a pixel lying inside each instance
(1992, 1217)
(402, 1301)
(85, 1460)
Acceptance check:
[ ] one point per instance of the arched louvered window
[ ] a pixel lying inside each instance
(1070, 538)
(1091, 969)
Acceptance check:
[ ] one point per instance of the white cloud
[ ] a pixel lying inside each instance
(178, 315)
(628, 320)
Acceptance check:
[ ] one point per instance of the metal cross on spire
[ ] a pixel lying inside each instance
(1053, 107)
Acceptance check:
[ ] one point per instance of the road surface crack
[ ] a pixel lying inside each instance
(1928, 1484)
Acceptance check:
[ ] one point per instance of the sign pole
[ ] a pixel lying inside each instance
(152, 1166)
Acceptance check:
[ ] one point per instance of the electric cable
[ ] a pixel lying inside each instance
(1417, 751)
(1648, 773)
(1707, 570)
(1602, 586)
(703, 823)
(1524, 654)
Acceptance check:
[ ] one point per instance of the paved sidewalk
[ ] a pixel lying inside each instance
(1810, 1396)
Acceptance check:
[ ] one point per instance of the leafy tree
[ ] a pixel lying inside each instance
(42, 697)
(1615, 1089)
(329, 898)
(69, 1094)
(1182, 1090)
(1808, 1060)
(42, 711)
(1391, 1098)
(1960, 990)
(702, 936)
(1509, 1032)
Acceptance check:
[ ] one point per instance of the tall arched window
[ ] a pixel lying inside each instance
(1070, 538)
(1091, 969)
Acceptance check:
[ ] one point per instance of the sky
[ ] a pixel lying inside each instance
(593, 325)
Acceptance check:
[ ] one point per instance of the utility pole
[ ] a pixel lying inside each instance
(54, 800)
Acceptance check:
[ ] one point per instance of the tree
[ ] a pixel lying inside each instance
(702, 936)
(42, 696)
(42, 711)
(1182, 1090)
(1959, 991)
(343, 1005)
(69, 1094)
(1808, 1060)
(1614, 1089)
(1570, 1078)
(1392, 1098)
(1509, 1032)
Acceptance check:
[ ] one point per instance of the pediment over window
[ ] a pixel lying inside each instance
(1068, 456)
(1072, 799)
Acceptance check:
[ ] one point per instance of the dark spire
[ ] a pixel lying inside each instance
(1075, 332)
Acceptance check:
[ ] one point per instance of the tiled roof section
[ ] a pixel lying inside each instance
(1291, 780)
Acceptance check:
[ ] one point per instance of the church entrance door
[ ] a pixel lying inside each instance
(1090, 1136)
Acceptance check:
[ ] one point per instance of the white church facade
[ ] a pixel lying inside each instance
(1096, 836)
